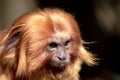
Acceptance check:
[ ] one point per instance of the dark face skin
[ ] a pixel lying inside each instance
(58, 49)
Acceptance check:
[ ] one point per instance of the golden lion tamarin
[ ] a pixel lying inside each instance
(42, 45)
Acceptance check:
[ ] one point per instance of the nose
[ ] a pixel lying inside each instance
(61, 56)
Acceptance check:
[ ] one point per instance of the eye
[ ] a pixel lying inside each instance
(67, 43)
(53, 45)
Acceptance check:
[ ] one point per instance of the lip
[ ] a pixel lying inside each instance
(62, 64)
(59, 64)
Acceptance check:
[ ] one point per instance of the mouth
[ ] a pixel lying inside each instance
(58, 65)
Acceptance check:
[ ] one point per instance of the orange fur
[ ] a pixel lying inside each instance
(23, 53)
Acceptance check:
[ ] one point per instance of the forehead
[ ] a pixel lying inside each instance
(61, 35)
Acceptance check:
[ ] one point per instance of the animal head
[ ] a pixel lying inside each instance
(48, 38)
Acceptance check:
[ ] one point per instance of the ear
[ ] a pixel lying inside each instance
(9, 41)
(12, 37)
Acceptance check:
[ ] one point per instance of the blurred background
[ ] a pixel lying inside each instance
(99, 22)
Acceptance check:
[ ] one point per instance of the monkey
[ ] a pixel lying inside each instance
(43, 44)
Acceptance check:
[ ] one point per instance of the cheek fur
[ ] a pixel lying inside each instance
(74, 54)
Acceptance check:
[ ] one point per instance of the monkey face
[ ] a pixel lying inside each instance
(59, 46)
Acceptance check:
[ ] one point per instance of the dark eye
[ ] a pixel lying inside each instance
(67, 43)
(53, 45)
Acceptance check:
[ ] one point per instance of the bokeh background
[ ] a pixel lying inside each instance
(99, 22)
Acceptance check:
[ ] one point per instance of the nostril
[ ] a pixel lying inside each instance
(62, 58)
